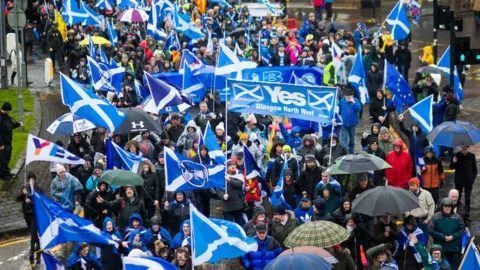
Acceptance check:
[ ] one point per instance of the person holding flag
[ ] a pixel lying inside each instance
(232, 197)
(432, 260)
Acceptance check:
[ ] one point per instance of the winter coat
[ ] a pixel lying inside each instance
(234, 190)
(150, 236)
(385, 145)
(111, 259)
(339, 215)
(443, 225)
(63, 191)
(401, 170)
(54, 39)
(403, 58)
(252, 148)
(310, 150)
(303, 215)
(178, 212)
(185, 142)
(7, 125)
(151, 182)
(308, 180)
(290, 139)
(249, 227)
(442, 264)
(280, 231)
(290, 190)
(275, 59)
(27, 208)
(451, 112)
(277, 169)
(427, 55)
(179, 238)
(378, 175)
(174, 132)
(76, 262)
(358, 237)
(432, 172)
(98, 142)
(93, 209)
(80, 149)
(349, 112)
(378, 233)
(374, 80)
(124, 208)
(332, 202)
(268, 249)
(345, 261)
(337, 151)
(465, 168)
(376, 110)
(158, 148)
(420, 137)
(371, 137)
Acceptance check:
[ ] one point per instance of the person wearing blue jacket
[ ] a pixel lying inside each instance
(268, 250)
(135, 241)
(111, 258)
(156, 233)
(349, 109)
(136, 223)
(293, 138)
(304, 210)
(182, 238)
(82, 258)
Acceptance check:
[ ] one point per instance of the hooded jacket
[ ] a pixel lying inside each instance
(268, 250)
(333, 201)
(419, 136)
(124, 208)
(130, 228)
(310, 150)
(402, 167)
(427, 55)
(74, 261)
(249, 227)
(308, 180)
(94, 210)
(179, 238)
(372, 136)
(385, 145)
(278, 165)
(185, 142)
(290, 189)
(339, 215)
(349, 112)
(376, 109)
(290, 139)
(378, 175)
(432, 174)
(150, 236)
(178, 212)
(27, 208)
(280, 231)
(111, 258)
(151, 183)
(442, 263)
(443, 225)
(63, 191)
(303, 215)
(374, 80)
(135, 245)
(329, 71)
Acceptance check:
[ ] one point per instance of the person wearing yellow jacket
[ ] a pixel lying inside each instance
(427, 55)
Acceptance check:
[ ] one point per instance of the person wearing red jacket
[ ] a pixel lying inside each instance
(402, 166)
(318, 6)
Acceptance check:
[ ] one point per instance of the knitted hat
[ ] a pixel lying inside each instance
(286, 148)
(351, 50)
(384, 130)
(243, 136)
(415, 181)
(60, 168)
(220, 126)
(7, 106)
(280, 209)
(98, 166)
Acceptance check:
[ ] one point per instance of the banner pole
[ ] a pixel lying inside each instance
(333, 129)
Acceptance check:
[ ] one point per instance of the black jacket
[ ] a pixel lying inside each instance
(174, 132)
(80, 149)
(124, 208)
(337, 151)
(308, 180)
(94, 210)
(465, 168)
(421, 140)
(374, 81)
(234, 189)
(403, 58)
(376, 110)
(151, 185)
(452, 111)
(27, 208)
(7, 124)
(277, 169)
(275, 60)
(379, 174)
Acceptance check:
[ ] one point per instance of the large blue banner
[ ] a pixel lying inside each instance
(312, 103)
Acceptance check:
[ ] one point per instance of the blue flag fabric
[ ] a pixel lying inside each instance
(419, 162)
(92, 48)
(125, 4)
(105, 4)
(87, 105)
(93, 18)
(183, 174)
(444, 65)
(277, 196)
(103, 55)
(189, 58)
(105, 77)
(112, 34)
(422, 113)
(251, 167)
(397, 85)
(471, 260)
(164, 95)
(263, 54)
(56, 225)
(72, 13)
(191, 86)
(465, 240)
(358, 79)
(215, 239)
(123, 159)
(51, 263)
(141, 91)
(398, 21)
(228, 62)
(214, 150)
(152, 26)
(297, 81)
(146, 263)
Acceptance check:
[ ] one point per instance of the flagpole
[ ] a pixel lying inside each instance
(384, 81)
(466, 251)
(192, 239)
(333, 129)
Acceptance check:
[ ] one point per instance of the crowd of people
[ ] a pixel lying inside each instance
(150, 220)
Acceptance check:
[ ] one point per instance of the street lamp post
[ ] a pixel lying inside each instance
(435, 30)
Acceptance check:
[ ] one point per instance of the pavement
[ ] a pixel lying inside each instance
(14, 244)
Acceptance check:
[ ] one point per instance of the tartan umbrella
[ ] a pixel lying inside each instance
(321, 234)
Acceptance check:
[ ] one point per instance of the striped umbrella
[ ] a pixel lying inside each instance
(133, 15)
(69, 124)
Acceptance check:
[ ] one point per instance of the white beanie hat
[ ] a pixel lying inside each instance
(60, 168)
(220, 126)
(251, 118)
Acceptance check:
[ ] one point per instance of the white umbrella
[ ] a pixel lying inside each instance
(69, 124)
(133, 15)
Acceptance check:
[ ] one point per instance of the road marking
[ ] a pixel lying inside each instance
(15, 242)
(14, 258)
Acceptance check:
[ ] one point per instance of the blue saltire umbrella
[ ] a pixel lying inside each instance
(69, 124)
(454, 133)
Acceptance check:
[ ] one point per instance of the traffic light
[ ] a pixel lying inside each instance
(471, 57)
(443, 20)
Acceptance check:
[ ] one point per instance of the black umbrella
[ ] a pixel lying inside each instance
(357, 163)
(137, 120)
(385, 200)
(241, 31)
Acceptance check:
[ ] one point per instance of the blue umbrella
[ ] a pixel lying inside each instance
(454, 134)
(69, 124)
(300, 261)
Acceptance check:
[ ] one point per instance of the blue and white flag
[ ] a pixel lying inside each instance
(398, 21)
(189, 58)
(277, 196)
(184, 24)
(164, 95)
(152, 26)
(214, 239)
(145, 263)
(465, 240)
(210, 47)
(214, 150)
(125, 4)
(142, 93)
(181, 173)
(93, 18)
(191, 85)
(51, 263)
(397, 85)
(104, 4)
(419, 162)
(251, 166)
(92, 48)
(228, 62)
(86, 104)
(56, 225)
(422, 113)
(358, 79)
(72, 13)
(297, 81)
(444, 65)
(42, 150)
(221, 2)
(238, 51)
(123, 159)
(471, 260)
(271, 8)
(112, 34)
(105, 78)
(103, 55)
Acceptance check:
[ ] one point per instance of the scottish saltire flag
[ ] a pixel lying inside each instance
(188, 58)
(104, 4)
(152, 25)
(465, 240)
(238, 51)
(419, 162)
(214, 150)
(92, 47)
(444, 65)
(182, 174)
(164, 95)
(277, 196)
(125, 4)
(228, 62)
(422, 113)
(221, 2)
(398, 21)
(93, 18)
(297, 81)
(146, 263)
(263, 54)
(415, 9)
(271, 8)
(184, 24)
(215, 239)
(51, 263)
(141, 91)
(191, 85)
(251, 167)
(210, 42)
(56, 225)
(42, 150)
(471, 260)
(358, 79)
(105, 78)
(397, 85)
(112, 34)
(103, 55)
(86, 104)
(336, 54)
(125, 159)
(72, 13)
